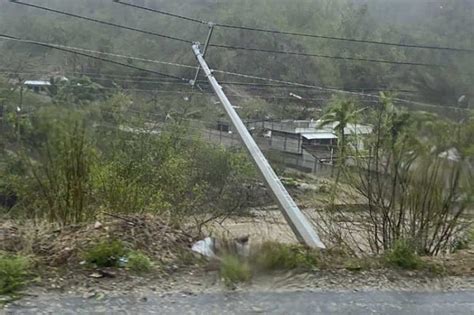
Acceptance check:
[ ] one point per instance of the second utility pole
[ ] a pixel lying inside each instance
(300, 225)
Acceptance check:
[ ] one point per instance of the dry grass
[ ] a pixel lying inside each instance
(56, 246)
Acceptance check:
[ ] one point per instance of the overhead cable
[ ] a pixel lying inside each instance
(432, 47)
(283, 52)
(289, 83)
(126, 57)
(147, 80)
(325, 89)
(108, 54)
(299, 34)
(103, 22)
(226, 46)
(182, 17)
(8, 37)
(134, 79)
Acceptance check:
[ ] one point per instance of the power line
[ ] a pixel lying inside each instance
(178, 92)
(102, 76)
(286, 86)
(263, 86)
(142, 79)
(250, 97)
(329, 89)
(128, 57)
(248, 84)
(182, 17)
(283, 52)
(218, 71)
(276, 97)
(160, 91)
(264, 97)
(102, 22)
(273, 97)
(226, 46)
(222, 46)
(8, 37)
(109, 54)
(255, 29)
(466, 50)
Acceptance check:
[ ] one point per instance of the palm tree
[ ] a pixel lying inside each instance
(340, 115)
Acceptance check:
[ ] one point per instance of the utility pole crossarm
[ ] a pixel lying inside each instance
(300, 225)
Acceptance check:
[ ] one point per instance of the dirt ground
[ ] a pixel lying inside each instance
(62, 271)
(196, 281)
(73, 278)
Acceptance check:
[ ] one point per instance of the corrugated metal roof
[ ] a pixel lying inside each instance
(319, 135)
(37, 82)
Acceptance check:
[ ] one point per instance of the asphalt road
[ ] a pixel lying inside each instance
(257, 303)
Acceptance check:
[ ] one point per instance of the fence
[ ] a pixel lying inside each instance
(283, 150)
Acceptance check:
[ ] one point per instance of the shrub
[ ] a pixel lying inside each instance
(13, 273)
(403, 255)
(232, 270)
(139, 262)
(105, 254)
(276, 256)
(60, 184)
(428, 193)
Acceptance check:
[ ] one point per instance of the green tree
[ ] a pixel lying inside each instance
(339, 115)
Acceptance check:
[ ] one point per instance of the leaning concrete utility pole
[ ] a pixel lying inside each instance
(303, 230)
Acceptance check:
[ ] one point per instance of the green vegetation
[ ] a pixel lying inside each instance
(403, 255)
(113, 253)
(111, 141)
(234, 270)
(14, 272)
(413, 172)
(105, 253)
(266, 257)
(278, 256)
(340, 115)
(70, 166)
(139, 262)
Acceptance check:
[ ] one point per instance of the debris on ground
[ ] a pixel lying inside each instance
(214, 247)
(204, 247)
